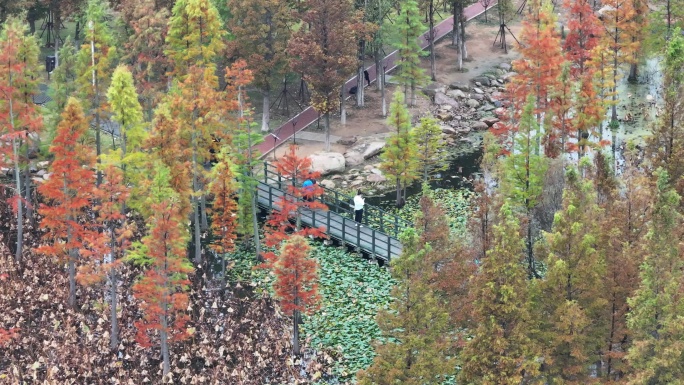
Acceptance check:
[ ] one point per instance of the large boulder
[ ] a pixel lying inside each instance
(353, 158)
(375, 178)
(373, 149)
(327, 162)
(432, 89)
(459, 86)
(472, 103)
(442, 99)
(327, 183)
(456, 94)
(477, 126)
(347, 141)
(484, 80)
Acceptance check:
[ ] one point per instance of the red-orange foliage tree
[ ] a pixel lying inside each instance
(68, 193)
(296, 282)
(583, 38)
(539, 68)
(224, 212)
(110, 243)
(18, 115)
(290, 205)
(161, 290)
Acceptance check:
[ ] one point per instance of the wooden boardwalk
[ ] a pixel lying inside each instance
(309, 115)
(377, 235)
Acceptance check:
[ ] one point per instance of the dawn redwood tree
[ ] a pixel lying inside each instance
(570, 304)
(162, 288)
(501, 350)
(110, 242)
(145, 51)
(68, 194)
(617, 40)
(415, 328)
(667, 140)
(399, 158)
(261, 31)
(245, 157)
(127, 111)
(62, 86)
(224, 212)
(325, 52)
(657, 307)
(280, 224)
(166, 144)
(296, 282)
(95, 61)
(523, 171)
(539, 68)
(621, 232)
(18, 115)
(431, 147)
(408, 29)
(195, 35)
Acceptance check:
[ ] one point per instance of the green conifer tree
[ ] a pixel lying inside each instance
(570, 305)
(657, 307)
(431, 147)
(408, 29)
(63, 86)
(399, 157)
(127, 111)
(523, 174)
(501, 351)
(415, 328)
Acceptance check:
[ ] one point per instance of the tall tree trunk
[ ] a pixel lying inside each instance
(27, 184)
(98, 141)
(196, 205)
(613, 108)
(383, 92)
(454, 27)
(266, 115)
(164, 342)
(398, 192)
(295, 333)
(343, 108)
(114, 333)
(253, 196)
(17, 180)
(72, 275)
(326, 120)
(378, 64)
(360, 79)
(203, 210)
(433, 68)
(463, 49)
(413, 93)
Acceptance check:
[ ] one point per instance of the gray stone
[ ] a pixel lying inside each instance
(447, 107)
(368, 167)
(459, 86)
(327, 162)
(448, 130)
(478, 97)
(376, 171)
(43, 164)
(347, 141)
(456, 94)
(375, 178)
(489, 107)
(472, 103)
(47, 176)
(373, 149)
(433, 88)
(41, 172)
(353, 158)
(327, 183)
(441, 99)
(507, 77)
(479, 126)
(357, 183)
(478, 91)
(445, 116)
(484, 80)
(336, 177)
(490, 121)
(505, 66)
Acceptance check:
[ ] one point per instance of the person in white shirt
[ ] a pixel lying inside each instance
(358, 207)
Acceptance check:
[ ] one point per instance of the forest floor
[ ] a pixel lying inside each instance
(363, 122)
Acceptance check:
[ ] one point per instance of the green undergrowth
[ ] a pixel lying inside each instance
(352, 292)
(456, 204)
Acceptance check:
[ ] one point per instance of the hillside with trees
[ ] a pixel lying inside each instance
(141, 241)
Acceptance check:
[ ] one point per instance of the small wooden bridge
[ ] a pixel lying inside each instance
(378, 235)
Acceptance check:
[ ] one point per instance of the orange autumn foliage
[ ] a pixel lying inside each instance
(296, 274)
